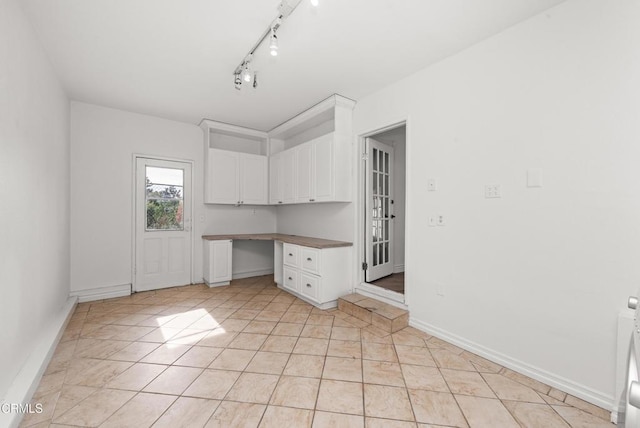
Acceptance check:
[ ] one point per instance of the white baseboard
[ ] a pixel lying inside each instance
(251, 273)
(100, 293)
(26, 382)
(551, 379)
(398, 268)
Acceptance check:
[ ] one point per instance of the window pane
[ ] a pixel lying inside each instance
(164, 198)
(163, 214)
(168, 176)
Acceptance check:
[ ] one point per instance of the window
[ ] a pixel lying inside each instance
(164, 198)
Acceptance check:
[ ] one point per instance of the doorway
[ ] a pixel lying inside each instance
(163, 236)
(384, 212)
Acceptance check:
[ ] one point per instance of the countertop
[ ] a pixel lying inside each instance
(304, 241)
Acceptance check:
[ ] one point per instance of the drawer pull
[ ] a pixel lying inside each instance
(290, 279)
(308, 285)
(312, 200)
(290, 255)
(308, 259)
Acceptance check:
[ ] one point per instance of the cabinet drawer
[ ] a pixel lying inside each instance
(310, 259)
(290, 255)
(309, 285)
(291, 279)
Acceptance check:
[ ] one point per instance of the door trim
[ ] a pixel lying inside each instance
(360, 221)
(134, 160)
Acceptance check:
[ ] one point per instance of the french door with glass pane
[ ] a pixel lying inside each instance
(163, 224)
(379, 210)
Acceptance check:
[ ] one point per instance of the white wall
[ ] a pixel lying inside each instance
(537, 277)
(103, 141)
(34, 190)
(331, 220)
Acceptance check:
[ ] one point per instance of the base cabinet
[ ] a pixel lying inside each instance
(318, 276)
(217, 262)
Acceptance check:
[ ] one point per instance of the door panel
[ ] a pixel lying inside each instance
(288, 165)
(303, 157)
(162, 224)
(254, 179)
(224, 167)
(379, 210)
(323, 168)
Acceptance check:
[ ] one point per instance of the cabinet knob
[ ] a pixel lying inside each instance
(290, 279)
(290, 255)
(279, 202)
(308, 259)
(312, 200)
(308, 285)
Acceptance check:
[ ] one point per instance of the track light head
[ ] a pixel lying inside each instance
(246, 74)
(273, 43)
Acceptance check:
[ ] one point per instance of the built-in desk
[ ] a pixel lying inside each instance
(314, 269)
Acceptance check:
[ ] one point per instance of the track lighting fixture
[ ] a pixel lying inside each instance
(273, 43)
(242, 71)
(246, 74)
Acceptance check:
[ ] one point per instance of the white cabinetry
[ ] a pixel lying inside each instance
(315, 152)
(217, 262)
(236, 165)
(319, 276)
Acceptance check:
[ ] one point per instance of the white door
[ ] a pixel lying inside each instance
(224, 173)
(379, 210)
(288, 165)
(275, 179)
(163, 224)
(254, 179)
(322, 168)
(304, 188)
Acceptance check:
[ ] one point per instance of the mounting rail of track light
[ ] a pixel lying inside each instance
(243, 72)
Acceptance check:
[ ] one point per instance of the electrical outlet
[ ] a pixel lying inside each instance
(440, 220)
(492, 191)
(432, 185)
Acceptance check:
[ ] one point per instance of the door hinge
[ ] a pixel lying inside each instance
(365, 266)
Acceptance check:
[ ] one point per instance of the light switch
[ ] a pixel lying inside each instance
(492, 191)
(534, 177)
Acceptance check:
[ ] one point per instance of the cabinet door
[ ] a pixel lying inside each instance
(288, 164)
(304, 173)
(224, 186)
(323, 169)
(275, 179)
(253, 179)
(219, 261)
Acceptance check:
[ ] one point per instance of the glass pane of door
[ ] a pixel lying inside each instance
(164, 198)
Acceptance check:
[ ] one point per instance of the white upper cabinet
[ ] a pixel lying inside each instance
(305, 160)
(316, 151)
(275, 179)
(236, 167)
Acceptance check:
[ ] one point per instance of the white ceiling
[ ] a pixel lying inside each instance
(175, 59)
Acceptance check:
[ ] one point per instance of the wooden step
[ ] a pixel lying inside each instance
(382, 315)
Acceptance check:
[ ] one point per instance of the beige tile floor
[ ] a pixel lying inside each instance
(251, 355)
